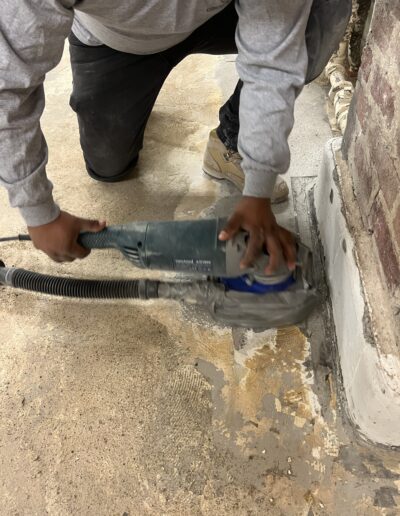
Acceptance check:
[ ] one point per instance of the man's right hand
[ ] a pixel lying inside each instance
(254, 215)
(59, 239)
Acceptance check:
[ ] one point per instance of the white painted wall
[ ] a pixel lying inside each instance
(371, 379)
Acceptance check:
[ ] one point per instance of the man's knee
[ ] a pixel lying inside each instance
(110, 146)
(111, 171)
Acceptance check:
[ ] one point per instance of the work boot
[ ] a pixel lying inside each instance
(222, 163)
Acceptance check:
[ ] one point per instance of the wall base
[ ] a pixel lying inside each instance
(371, 374)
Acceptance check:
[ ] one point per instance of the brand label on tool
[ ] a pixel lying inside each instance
(190, 265)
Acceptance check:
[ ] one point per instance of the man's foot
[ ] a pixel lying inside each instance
(222, 163)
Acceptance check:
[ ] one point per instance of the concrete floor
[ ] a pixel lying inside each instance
(131, 408)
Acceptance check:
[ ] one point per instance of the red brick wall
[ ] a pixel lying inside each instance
(371, 143)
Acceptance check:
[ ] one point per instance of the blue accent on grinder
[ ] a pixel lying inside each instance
(242, 284)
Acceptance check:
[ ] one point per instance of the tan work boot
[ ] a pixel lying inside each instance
(222, 163)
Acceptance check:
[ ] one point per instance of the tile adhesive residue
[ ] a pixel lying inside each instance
(264, 412)
(259, 383)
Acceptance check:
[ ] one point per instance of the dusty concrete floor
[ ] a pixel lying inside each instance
(132, 408)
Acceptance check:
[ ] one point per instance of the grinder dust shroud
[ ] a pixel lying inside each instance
(208, 270)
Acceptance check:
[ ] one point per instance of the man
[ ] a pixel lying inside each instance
(121, 53)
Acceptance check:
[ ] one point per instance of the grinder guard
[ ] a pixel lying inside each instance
(248, 309)
(274, 309)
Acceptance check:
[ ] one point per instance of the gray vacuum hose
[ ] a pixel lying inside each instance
(82, 288)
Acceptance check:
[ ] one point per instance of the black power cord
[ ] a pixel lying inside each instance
(21, 238)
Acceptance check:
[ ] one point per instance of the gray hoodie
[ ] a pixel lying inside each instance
(272, 62)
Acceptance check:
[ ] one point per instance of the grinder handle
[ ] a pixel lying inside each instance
(104, 239)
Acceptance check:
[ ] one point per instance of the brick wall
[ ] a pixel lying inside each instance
(371, 144)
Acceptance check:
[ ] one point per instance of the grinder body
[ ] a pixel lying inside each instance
(190, 247)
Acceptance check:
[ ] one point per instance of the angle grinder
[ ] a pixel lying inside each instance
(208, 269)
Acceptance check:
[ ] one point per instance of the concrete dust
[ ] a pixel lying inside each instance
(134, 408)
